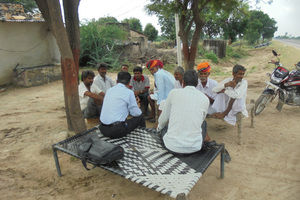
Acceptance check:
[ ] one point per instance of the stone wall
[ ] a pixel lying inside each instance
(216, 46)
(37, 75)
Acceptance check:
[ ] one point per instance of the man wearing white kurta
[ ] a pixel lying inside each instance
(231, 98)
(103, 81)
(178, 74)
(182, 121)
(206, 84)
(90, 96)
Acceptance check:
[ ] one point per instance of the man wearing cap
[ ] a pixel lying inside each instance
(178, 74)
(231, 96)
(103, 81)
(206, 84)
(163, 80)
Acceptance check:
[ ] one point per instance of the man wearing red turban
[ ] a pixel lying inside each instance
(206, 84)
(164, 82)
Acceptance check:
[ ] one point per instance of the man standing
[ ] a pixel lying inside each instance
(178, 74)
(90, 96)
(103, 81)
(231, 97)
(182, 121)
(140, 84)
(205, 84)
(163, 80)
(118, 103)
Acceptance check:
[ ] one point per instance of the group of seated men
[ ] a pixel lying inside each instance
(184, 101)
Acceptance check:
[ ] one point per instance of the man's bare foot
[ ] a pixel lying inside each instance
(218, 115)
(207, 138)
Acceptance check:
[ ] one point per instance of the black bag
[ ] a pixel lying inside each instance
(99, 152)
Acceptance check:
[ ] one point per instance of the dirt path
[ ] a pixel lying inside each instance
(266, 166)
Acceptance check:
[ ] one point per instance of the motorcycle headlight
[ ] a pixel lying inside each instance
(275, 80)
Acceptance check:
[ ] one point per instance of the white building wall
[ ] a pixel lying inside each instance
(27, 43)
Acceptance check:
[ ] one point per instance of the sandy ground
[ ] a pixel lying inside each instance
(265, 166)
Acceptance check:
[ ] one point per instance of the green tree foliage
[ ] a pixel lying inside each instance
(134, 23)
(213, 19)
(28, 5)
(236, 22)
(151, 32)
(101, 42)
(105, 20)
(253, 33)
(167, 27)
(267, 26)
(191, 19)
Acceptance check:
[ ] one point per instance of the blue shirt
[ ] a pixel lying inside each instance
(164, 82)
(119, 102)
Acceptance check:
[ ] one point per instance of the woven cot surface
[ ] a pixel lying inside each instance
(147, 162)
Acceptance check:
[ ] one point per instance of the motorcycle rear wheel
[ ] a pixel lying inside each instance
(262, 102)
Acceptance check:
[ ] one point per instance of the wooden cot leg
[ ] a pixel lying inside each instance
(56, 161)
(156, 113)
(182, 196)
(252, 112)
(239, 117)
(222, 168)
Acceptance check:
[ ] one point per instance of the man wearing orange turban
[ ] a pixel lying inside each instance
(206, 84)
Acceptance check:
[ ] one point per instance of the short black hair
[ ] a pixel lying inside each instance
(87, 73)
(138, 69)
(124, 77)
(190, 77)
(102, 65)
(124, 65)
(237, 68)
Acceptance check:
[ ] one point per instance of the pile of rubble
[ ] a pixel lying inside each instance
(10, 11)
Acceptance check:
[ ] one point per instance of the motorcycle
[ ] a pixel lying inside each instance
(283, 83)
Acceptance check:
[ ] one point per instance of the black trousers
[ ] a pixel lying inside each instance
(123, 128)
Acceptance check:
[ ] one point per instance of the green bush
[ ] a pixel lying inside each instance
(212, 56)
(101, 43)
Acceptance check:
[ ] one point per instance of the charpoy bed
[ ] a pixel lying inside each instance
(148, 163)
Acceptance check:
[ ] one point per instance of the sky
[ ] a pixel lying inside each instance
(120, 9)
(285, 12)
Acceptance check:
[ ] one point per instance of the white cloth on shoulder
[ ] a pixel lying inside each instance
(239, 93)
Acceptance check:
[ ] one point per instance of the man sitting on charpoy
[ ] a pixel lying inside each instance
(182, 121)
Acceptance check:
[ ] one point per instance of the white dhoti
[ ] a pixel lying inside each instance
(221, 103)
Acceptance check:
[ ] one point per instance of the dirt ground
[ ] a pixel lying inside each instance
(265, 166)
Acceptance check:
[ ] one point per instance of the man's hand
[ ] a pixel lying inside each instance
(230, 84)
(219, 115)
(138, 101)
(222, 91)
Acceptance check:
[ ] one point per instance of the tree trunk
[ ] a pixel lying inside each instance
(189, 53)
(69, 65)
